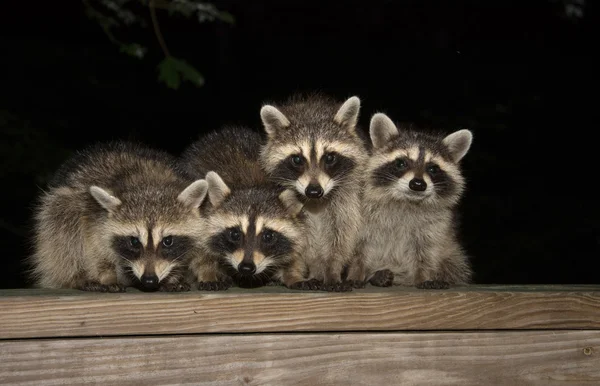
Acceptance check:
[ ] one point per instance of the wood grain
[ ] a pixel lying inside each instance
(481, 358)
(36, 314)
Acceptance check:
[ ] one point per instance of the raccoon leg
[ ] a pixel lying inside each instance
(210, 278)
(333, 278)
(106, 281)
(356, 274)
(94, 286)
(175, 286)
(383, 278)
(292, 278)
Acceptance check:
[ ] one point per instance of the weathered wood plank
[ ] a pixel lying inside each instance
(75, 313)
(482, 358)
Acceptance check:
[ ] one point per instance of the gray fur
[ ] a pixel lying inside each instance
(104, 188)
(334, 219)
(415, 238)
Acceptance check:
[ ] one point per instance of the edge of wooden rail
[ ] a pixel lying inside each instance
(34, 313)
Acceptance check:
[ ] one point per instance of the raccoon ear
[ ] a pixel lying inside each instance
(107, 200)
(194, 194)
(217, 189)
(273, 119)
(289, 199)
(381, 130)
(347, 115)
(458, 143)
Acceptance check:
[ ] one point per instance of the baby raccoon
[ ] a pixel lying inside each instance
(315, 148)
(116, 215)
(413, 186)
(254, 230)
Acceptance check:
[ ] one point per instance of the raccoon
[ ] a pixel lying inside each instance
(116, 215)
(254, 230)
(315, 148)
(414, 184)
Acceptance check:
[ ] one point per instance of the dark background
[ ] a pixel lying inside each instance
(517, 74)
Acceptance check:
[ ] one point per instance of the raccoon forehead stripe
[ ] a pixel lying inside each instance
(381, 159)
(346, 149)
(121, 229)
(156, 236)
(278, 153)
(413, 152)
(286, 228)
(223, 221)
(260, 222)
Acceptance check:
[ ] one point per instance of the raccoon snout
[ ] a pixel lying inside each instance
(417, 184)
(246, 268)
(314, 191)
(149, 282)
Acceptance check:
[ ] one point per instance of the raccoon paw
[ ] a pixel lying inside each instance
(273, 283)
(213, 285)
(344, 286)
(94, 286)
(357, 283)
(433, 284)
(174, 287)
(307, 285)
(383, 278)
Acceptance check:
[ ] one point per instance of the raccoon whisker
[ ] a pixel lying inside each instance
(178, 257)
(126, 259)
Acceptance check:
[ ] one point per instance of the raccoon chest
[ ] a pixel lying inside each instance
(320, 236)
(400, 240)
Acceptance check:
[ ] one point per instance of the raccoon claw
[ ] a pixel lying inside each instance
(344, 286)
(213, 285)
(383, 278)
(357, 283)
(97, 287)
(174, 287)
(307, 285)
(433, 284)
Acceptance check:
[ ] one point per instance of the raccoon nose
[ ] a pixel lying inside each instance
(247, 268)
(149, 281)
(417, 184)
(313, 191)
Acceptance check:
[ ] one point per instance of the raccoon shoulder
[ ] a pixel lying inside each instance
(104, 159)
(232, 152)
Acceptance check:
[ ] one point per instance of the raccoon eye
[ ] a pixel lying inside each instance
(401, 164)
(296, 160)
(134, 242)
(167, 241)
(234, 235)
(433, 169)
(268, 237)
(330, 158)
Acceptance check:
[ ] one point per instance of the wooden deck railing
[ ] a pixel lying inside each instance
(476, 335)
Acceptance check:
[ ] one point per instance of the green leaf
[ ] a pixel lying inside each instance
(167, 73)
(172, 70)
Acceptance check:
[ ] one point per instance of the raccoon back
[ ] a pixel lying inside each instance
(231, 152)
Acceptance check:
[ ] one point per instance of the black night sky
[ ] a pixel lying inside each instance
(518, 74)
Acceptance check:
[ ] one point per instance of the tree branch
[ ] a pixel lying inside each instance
(157, 32)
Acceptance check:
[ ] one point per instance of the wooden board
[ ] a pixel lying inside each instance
(36, 314)
(481, 358)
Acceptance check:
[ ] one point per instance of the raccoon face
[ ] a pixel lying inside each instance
(151, 237)
(151, 261)
(254, 231)
(416, 167)
(313, 152)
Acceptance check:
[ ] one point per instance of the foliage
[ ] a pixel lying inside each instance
(114, 14)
